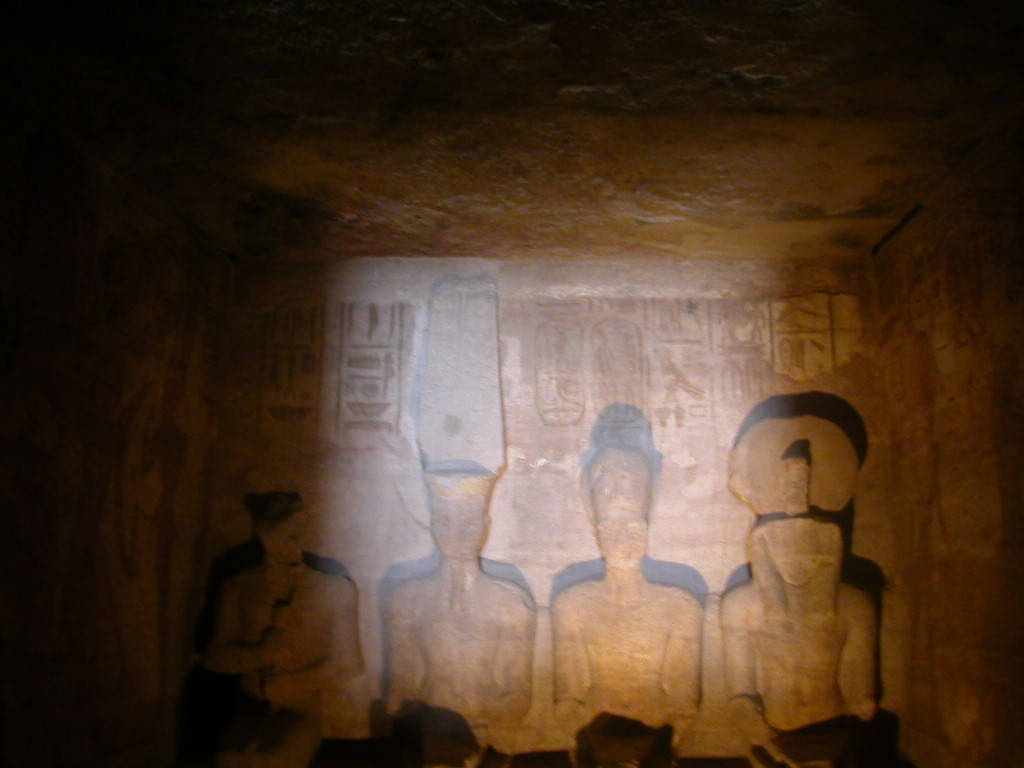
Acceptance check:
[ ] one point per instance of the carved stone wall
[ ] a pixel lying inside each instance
(106, 310)
(693, 347)
(316, 377)
(949, 290)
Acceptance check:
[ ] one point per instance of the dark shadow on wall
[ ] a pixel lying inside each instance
(824, 405)
(843, 742)
(209, 699)
(434, 736)
(614, 740)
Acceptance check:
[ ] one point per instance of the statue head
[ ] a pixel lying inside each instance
(279, 522)
(794, 482)
(619, 468)
(458, 511)
(771, 468)
(784, 490)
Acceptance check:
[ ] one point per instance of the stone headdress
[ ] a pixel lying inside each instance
(823, 427)
(623, 427)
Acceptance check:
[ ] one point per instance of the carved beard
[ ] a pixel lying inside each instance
(796, 565)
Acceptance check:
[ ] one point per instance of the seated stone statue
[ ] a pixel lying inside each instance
(623, 645)
(459, 640)
(799, 644)
(288, 628)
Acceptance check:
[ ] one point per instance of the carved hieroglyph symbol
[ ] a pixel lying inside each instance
(291, 363)
(560, 391)
(368, 393)
(618, 363)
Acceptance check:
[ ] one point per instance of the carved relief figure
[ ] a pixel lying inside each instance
(799, 644)
(623, 645)
(461, 640)
(287, 627)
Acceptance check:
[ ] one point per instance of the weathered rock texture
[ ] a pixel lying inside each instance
(224, 227)
(694, 355)
(949, 290)
(106, 347)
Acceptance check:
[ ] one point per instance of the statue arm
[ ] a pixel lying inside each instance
(572, 673)
(514, 665)
(405, 662)
(745, 706)
(229, 652)
(346, 650)
(680, 674)
(739, 660)
(328, 647)
(857, 662)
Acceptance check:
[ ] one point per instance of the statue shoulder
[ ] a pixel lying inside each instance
(577, 598)
(677, 599)
(507, 593)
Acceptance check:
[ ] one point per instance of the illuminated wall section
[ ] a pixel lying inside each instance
(364, 374)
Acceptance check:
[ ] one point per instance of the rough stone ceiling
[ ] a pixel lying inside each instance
(301, 130)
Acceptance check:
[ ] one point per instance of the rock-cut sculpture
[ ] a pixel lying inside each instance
(288, 626)
(800, 645)
(459, 639)
(624, 645)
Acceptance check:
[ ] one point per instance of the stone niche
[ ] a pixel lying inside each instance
(524, 470)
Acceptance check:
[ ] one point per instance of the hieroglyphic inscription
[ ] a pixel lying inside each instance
(368, 393)
(682, 321)
(743, 327)
(560, 385)
(682, 386)
(680, 372)
(801, 336)
(742, 379)
(678, 356)
(846, 327)
(617, 363)
(743, 347)
(588, 353)
(291, 363)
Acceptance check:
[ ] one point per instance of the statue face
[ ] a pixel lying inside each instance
(804, 551)
(794, 486)
(458, 521)
(620, 494)
(622, 541)
(283, 540)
